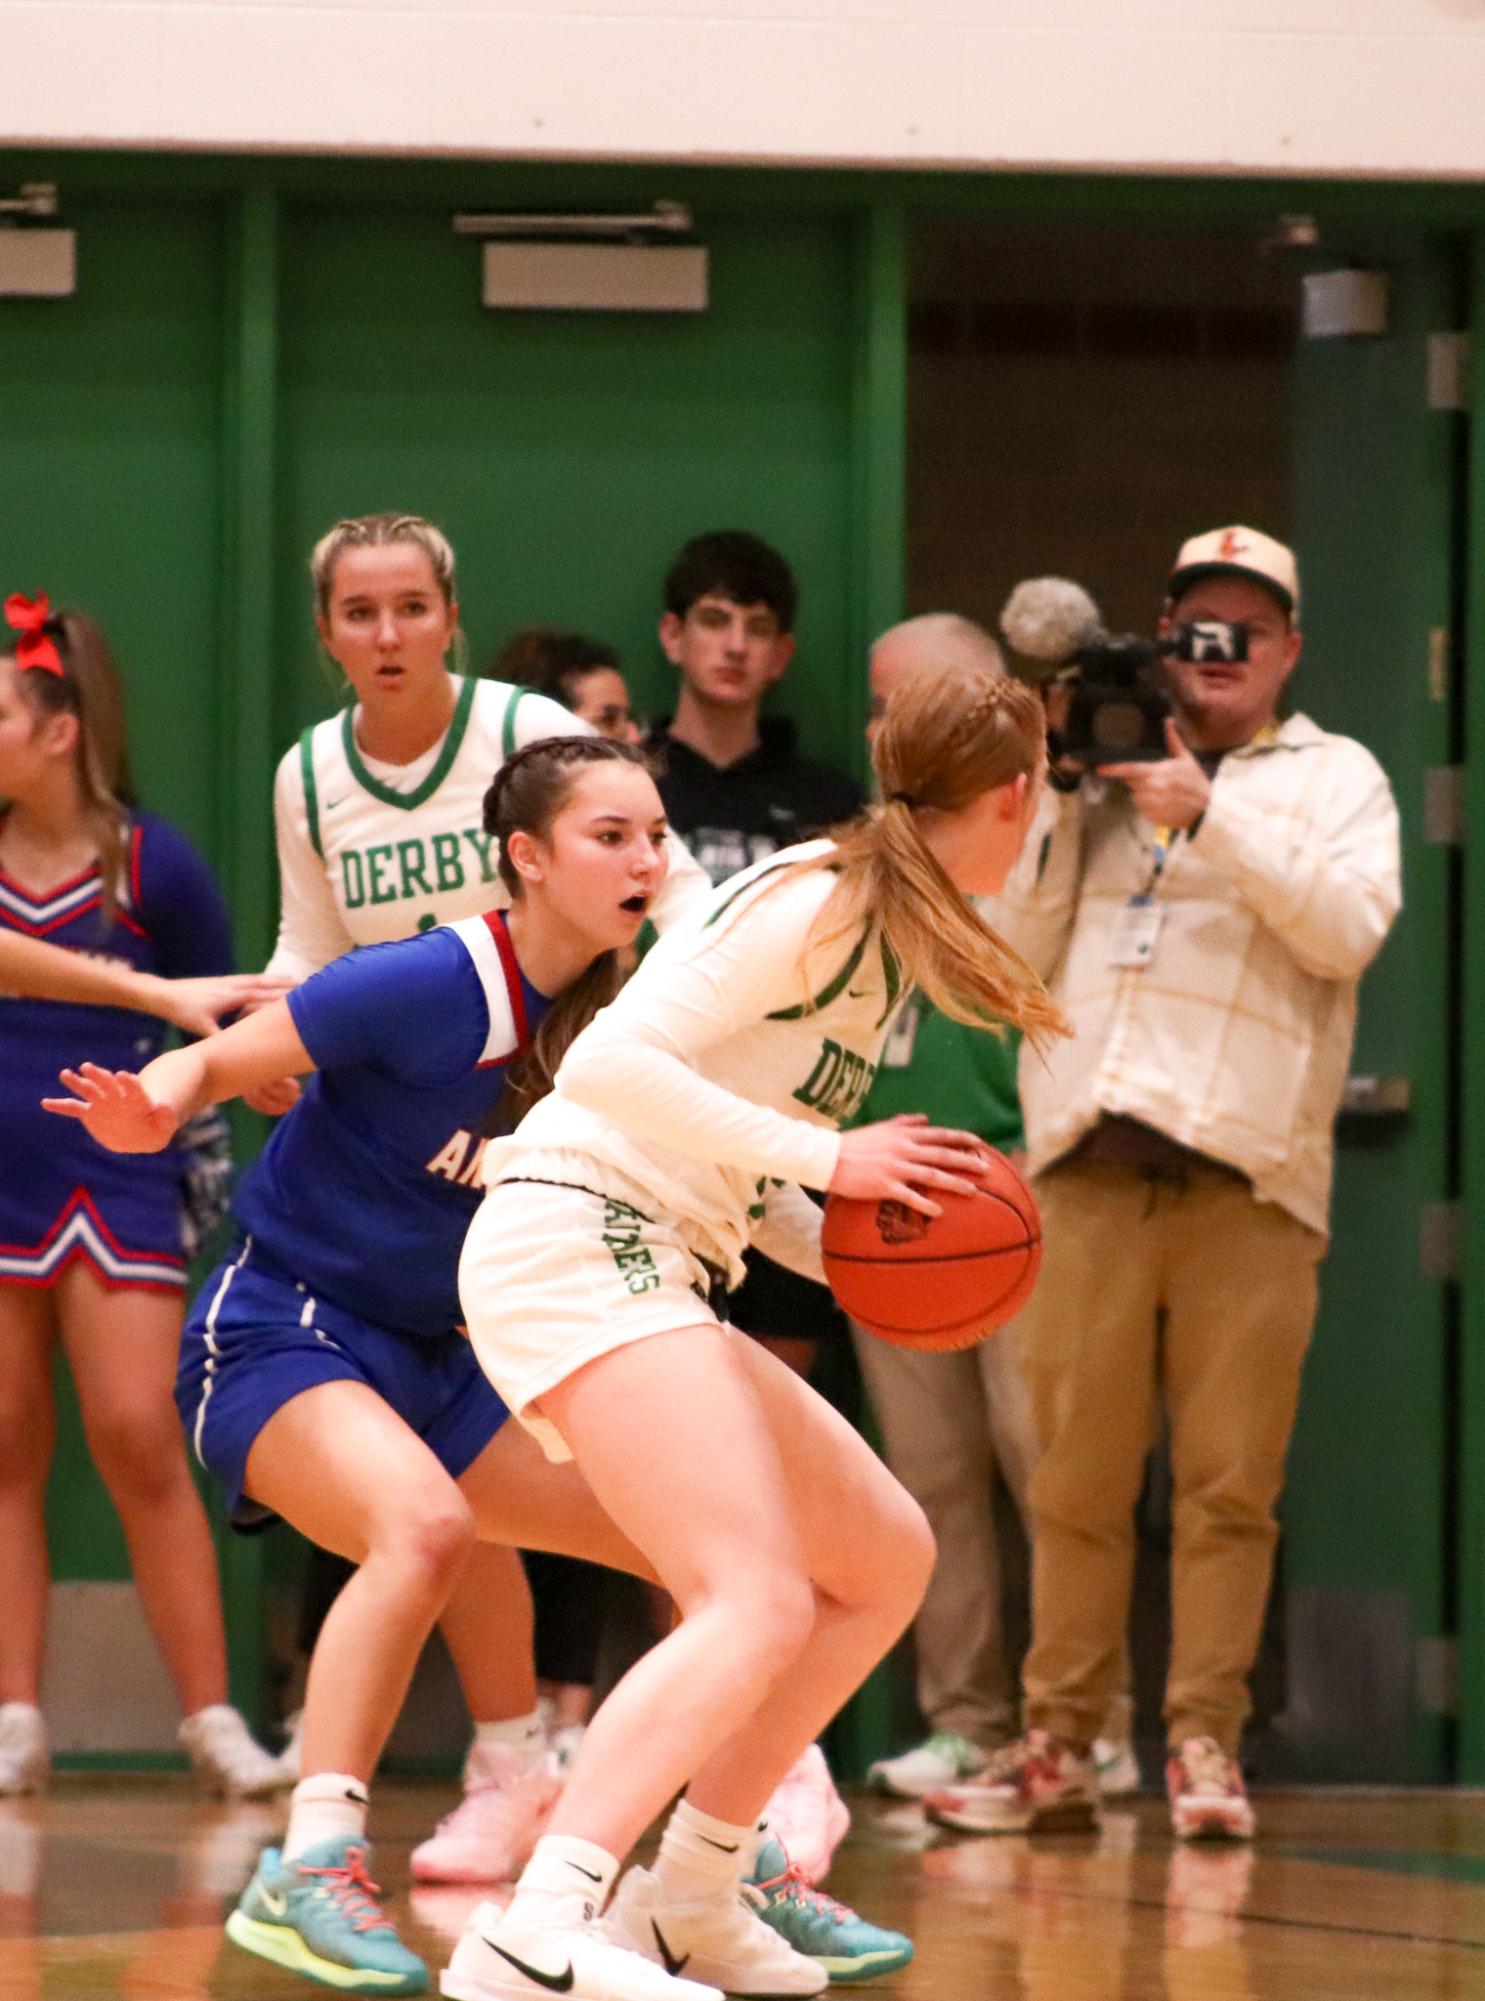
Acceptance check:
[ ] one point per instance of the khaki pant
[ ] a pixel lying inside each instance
(1202, 1296)
(947, 1422)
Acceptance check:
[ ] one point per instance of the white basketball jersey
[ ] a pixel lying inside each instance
(364, 859)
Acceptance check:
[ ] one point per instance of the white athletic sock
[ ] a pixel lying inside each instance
(525, 1735)
(561, 1866)
(330, 1806)
(701, 1856)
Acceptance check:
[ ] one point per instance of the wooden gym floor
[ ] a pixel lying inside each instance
(118, 1887)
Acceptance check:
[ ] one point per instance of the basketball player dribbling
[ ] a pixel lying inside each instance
(684, 1123)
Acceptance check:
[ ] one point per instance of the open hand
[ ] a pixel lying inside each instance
(116, 1109)
(901, 1159)
(1173, 791)
(197, 1006)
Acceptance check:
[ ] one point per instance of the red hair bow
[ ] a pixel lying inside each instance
(30, 617)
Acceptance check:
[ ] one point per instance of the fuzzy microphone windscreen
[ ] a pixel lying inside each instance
(1050, 618)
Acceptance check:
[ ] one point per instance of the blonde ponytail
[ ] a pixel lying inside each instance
(949, 734)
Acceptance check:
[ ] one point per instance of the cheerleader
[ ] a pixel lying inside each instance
(93, 1249)
(682, 1123)
(378, 814)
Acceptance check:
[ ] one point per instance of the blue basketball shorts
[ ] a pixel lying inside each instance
(255, 1338)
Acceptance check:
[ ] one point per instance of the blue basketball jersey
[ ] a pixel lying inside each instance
(366, 1188)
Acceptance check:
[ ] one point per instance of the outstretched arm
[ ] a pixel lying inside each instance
(31, 967)
(138, 1114)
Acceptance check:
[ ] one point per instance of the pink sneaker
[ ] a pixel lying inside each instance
(808, 1815)
(489, 1836)
(1032, 1786)
(1208, 1800)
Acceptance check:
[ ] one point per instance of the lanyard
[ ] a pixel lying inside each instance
(1165, 839)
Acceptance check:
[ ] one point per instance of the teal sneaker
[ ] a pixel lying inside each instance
(845, 1945)
(318, 1916)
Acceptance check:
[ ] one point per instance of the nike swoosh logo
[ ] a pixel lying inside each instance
(727, 1847)
(673, 1966)
(589, 1873)
(555, 1983)
(331, 804)
(277, 1905)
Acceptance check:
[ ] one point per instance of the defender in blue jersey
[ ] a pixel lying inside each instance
(324, 1376)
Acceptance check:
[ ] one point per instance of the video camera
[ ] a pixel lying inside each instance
(1118, 696)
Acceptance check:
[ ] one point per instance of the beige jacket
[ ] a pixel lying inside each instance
(1235, 1037)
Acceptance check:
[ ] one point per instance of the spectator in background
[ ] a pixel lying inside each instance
(1204, 919)
(582, 674)
(736, 790)
(954, 1425)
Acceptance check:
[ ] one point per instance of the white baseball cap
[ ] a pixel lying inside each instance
(1238, 552)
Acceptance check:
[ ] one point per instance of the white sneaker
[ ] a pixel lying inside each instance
(942, 1760)
(720, 1940)
(808, 1815)
(564, 1743)
(1117, 1768)
(489, 1836)
(25, 1754)
(227, 1758)
(577, 1954)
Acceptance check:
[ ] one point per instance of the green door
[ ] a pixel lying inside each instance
(1367, 1514)
(568, 455)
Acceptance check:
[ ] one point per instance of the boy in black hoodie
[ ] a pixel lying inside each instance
(733, 785)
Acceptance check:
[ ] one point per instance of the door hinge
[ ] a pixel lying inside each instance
(1441, 1240)
(1440, 640)
(1436, 1675)
(1443, 805)
(1448, 371)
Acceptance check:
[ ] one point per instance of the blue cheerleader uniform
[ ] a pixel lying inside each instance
(354, 1217)
(63, 1198)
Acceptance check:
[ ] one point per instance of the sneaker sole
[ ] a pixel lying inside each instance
(1209, 1828)
(285, 1947)
(1075, 1817)
(863, 1966)
(468, 1876)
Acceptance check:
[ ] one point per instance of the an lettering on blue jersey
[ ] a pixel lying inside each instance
(399, 871)
(621, 1233)
(838, 1082)
(460, 1160)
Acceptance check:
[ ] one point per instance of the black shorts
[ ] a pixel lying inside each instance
(776, 1301)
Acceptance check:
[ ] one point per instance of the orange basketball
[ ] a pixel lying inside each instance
(936, 1282)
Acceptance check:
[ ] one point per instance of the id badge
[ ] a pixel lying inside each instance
(1135, 934)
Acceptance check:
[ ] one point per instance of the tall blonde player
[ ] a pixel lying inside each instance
(683, 1122)
(378, 817)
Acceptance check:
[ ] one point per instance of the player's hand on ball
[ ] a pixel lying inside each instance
(904, 1160)
(273, 1100)
(116, 1109)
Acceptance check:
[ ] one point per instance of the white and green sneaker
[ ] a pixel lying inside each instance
(846, 1946)
(943, 1760)
(318, 1916)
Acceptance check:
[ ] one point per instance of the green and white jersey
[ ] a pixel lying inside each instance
(369, 852)
(746, 1039)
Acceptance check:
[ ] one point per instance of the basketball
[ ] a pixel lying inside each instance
(936, 1282)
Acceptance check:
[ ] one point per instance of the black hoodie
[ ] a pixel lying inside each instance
(732, 815)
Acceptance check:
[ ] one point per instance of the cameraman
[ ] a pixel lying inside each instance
(1204, 919)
